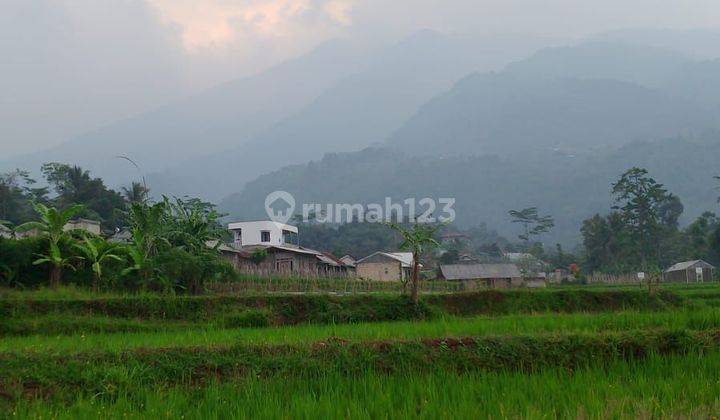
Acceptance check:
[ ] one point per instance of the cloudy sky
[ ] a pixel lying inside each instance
(69, 66)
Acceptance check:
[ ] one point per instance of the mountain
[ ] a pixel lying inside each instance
(485, 187)
(506, 114)
(359, 110)
(701, 44)
(643, 65)
(215, 119)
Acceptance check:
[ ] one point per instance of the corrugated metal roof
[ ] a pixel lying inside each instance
(479, 271)
(405, 258)
(682, 266)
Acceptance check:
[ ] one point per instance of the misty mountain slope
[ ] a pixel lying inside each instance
(218, 118)
(702, 44)
(647, 66)
(699, 81)
(486, 187)
(506, 114)
(360, 110)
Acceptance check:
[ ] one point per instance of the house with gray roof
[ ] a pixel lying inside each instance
(500, 276)
(695, 271)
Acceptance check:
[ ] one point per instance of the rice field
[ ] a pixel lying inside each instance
(303, 334)
(658, 361)
(671, 387)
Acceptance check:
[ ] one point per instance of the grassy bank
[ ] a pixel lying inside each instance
(111, 374)
(295, 309)
(672, 387)
(206, 335)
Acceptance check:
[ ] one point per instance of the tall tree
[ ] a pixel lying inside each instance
(136, 193)
(74, 185)
(418, 239)
(646, 207)
(17, 192)
(52, 227)
(533, 224)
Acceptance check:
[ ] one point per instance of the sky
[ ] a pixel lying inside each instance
(70, 66)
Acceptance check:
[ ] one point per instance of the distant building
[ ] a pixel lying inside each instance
(271, 249)
(263, 233)
(386, 266)
(500, 276)
(696, 271)
(121, 236)
(91, 226)
(452, 237)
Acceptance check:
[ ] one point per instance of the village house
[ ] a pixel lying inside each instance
(386, 266)
(494, 276)
(696, 271)
(90, 226)
(271, 249)
(263, 233)
(86, 225)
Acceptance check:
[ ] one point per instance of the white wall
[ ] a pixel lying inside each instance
(249, 233)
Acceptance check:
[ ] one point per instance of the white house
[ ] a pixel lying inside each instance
(263, 233)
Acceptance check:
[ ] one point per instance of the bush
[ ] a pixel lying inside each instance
(251, 318)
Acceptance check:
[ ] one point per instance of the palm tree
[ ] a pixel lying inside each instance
(97, 251)
(52, 226)
(137, 193)
(418, 239)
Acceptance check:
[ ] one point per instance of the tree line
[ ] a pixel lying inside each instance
(171, 246)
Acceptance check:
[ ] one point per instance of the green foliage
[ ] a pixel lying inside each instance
(533, 224)
(250, 318)
(417, 239)
(74, 185)
(259, 255)
(683, 386)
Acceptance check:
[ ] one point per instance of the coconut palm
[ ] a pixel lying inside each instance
(96, 251)
(418, 239)
(137, 193)
(52, 226)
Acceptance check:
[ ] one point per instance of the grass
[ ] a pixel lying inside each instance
(211, 335)
(295, 309)
(676, 386)
(600, 352)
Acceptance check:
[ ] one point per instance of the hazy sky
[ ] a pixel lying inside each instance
(69, 66)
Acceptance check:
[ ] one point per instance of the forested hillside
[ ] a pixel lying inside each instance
(571, 188)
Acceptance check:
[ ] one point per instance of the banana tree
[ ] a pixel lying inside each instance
(418, 239)
(52, 227)
(97, 252)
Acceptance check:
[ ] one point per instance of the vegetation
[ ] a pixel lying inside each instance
(419, 240)
(533, 224)
(642, 232)
(168, 250)
(663, 387)
(67, 352)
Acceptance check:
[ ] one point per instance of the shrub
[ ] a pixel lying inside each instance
(250, 318)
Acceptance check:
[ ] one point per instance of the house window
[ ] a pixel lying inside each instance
(265, 236)
(238, 237)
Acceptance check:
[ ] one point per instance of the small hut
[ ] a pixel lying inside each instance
(696, 271)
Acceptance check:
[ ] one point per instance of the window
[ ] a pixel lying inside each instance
(264, 236)
(238, 237)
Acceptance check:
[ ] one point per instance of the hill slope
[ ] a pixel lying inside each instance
(359, 110)
(212, 120)
(570, 189)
